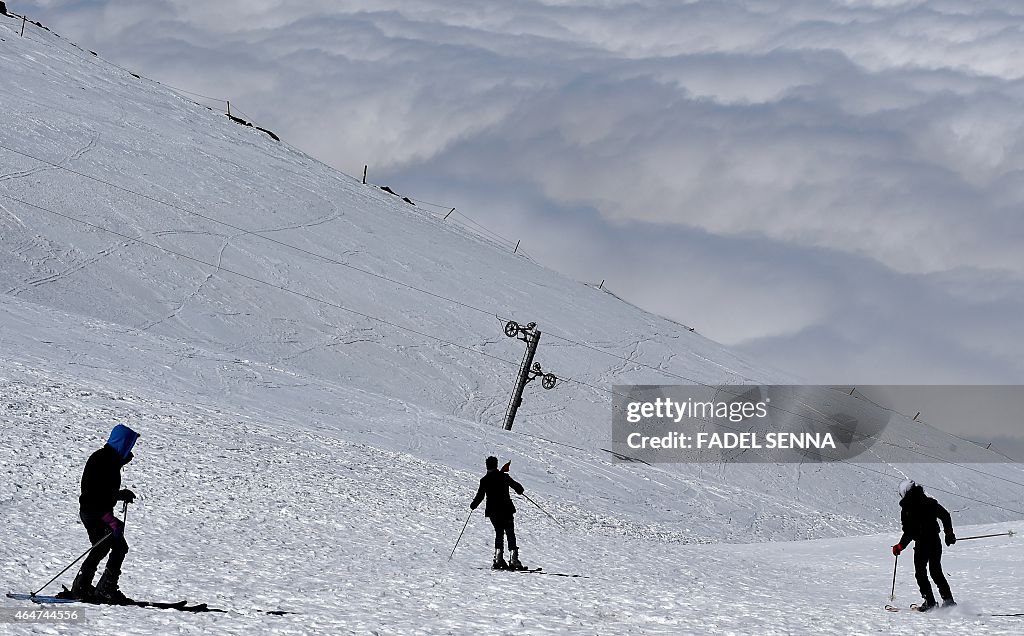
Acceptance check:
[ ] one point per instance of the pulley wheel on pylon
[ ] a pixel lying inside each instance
(549, 381)
(511, 328)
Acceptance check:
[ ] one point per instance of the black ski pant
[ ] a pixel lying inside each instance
(117, 547)
(504, 526)
(928, 558)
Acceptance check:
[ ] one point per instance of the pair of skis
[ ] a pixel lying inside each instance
(914, 607)
(940, 610)
(64, 597)
(510, 568)
(538, 571)
(181, 606)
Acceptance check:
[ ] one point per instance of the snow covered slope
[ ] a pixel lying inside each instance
(255, 513)
(312, 430)
(282, 234)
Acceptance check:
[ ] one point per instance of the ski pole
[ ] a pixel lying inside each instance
(91, 548)
(1009, 533)
(892, 595)
(124, 515)
(464, 526)
(542, 510)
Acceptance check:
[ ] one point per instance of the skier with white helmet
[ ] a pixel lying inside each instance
(921, 516)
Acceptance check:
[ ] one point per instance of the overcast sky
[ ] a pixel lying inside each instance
(832, 186)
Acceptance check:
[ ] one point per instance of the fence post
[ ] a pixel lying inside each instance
(517, 247)
(229, 108)
(448, 215)
(364, 173)
(24, 19)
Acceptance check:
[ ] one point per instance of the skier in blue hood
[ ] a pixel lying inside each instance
(101, 490)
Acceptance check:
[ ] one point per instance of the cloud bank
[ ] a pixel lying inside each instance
(831, 185)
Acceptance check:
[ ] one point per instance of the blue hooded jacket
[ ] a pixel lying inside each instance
(122, 439)
(101, 479)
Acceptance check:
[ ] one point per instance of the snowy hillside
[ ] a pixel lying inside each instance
(257, 513)
(318, 369)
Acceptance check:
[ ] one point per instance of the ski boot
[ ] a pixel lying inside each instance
(929, 604)
(108, 592)
(499, 560)
(948, 602)
(82, 589)
(513, 562)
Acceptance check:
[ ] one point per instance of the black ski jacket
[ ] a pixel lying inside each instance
(494, 485)
(101, 481)
(921, 516)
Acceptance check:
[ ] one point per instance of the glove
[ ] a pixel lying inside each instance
(126, 495)
(116, 525)
(950, 538)
(896, 549)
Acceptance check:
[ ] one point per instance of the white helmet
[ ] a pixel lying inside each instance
(905, 486)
